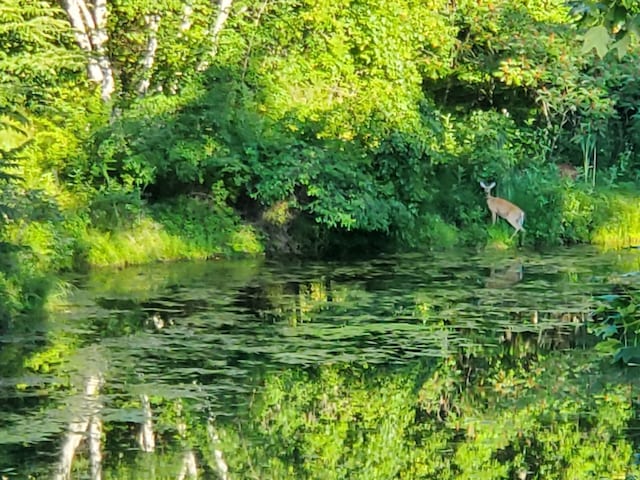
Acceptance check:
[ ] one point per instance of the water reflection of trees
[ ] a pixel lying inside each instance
(430, 421)
(392, 372)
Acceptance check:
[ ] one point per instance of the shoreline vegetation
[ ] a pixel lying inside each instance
(304, 129)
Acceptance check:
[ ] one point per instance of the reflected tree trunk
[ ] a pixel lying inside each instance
(145, 437)
(95, 447)
(189, 467)
(221, 464)
(87, 423)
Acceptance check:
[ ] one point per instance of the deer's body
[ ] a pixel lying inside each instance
(502, 208)
(568, 171)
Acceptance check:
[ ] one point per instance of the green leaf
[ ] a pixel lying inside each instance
(597, 37)
(628, 355)
(622, 45)
(608, 346)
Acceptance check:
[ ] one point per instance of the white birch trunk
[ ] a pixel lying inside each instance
(153, 23)
(189, 467)
(221, 464)
(89, 24)
(77, 17)
(221, 19)
(224, 10)
(146, 440)
(99, 43)
(89, 409)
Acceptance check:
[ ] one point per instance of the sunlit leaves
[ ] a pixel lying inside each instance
(35, 40)
(597, 38)
(612, 24)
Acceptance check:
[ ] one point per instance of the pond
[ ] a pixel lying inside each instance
(467, 365)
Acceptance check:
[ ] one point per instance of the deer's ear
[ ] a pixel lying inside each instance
(493, 184)
(482, 184)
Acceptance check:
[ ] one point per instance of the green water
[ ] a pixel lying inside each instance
(446, 366)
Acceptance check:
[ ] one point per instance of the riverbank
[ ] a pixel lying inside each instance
(119, 232)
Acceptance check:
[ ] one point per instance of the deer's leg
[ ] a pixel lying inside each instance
(516, 223)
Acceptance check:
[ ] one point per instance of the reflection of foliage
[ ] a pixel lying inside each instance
(362, 423)
(617, 322)
(391, 369)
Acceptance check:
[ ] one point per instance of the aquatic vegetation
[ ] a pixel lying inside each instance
(617, 322)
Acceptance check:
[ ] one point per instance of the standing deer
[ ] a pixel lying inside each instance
(503, 208)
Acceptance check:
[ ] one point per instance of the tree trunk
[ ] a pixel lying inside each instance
(86, 421)
(224, 9)
(153, 23)
(89, 23)
(221, 19)
(145, 437)
(221, 464)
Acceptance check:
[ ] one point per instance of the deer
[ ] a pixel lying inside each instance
(504, 209)
(567, 170)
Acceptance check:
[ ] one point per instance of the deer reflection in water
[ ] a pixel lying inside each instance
(549, 329)
(505, 277)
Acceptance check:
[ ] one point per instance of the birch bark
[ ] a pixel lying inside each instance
(224, 9)
(145, 437)
(223, 15)
(89, 22)
(153, 23)
(86, 421)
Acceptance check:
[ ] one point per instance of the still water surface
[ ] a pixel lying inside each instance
(414, 366)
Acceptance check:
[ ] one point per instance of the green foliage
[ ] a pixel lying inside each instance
(371, 121)
(189, 228)
(613, 24)
(617, 219)
(207, 224)
(617, 322)
(37, 53)
(39, 69)
(346, 422)
(578, 212)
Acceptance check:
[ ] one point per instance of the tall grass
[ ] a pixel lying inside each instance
(617, 220)
(187, 230)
